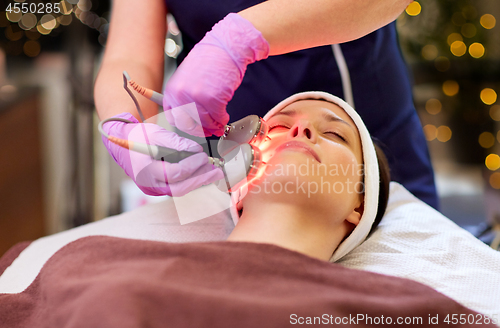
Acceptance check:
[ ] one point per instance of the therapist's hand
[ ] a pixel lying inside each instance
(153, 177)
(210, 74)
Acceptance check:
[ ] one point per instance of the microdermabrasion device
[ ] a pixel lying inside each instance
(238, 146)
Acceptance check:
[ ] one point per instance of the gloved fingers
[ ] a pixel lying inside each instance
(206, 132)
(168, 115)
(118, 128)
(149, 133)
(195, 120)
(149, 184)
(211, 126)
(187, 119)
(172, 140)
(213, 121)
(155, 180)
(177, 172)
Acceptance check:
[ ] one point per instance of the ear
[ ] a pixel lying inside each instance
(356, 214)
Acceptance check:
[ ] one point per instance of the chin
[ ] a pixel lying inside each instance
(293, 163)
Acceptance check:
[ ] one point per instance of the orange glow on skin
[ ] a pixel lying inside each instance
(252, 180)
(260, 170)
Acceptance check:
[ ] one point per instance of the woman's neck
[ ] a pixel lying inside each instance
(290, 225)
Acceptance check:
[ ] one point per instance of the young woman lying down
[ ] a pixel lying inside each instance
(325, 186)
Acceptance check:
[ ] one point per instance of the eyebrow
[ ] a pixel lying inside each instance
(329, 117)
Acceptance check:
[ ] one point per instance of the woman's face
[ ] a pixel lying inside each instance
(313, 150)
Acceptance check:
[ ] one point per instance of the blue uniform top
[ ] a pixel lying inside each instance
(379, 78)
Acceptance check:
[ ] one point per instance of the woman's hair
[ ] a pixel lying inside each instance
(385, 179)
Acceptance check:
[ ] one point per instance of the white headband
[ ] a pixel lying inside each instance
(371, 178)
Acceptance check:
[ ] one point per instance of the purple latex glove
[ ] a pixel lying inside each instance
(210, 74)
(153, 177)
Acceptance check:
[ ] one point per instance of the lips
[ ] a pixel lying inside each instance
(299, 146)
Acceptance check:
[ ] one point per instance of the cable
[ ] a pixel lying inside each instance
(148, 93)
(155, 152)
(344, 74)
(126, 78)
(101, 130)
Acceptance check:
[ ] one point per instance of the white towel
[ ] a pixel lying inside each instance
(158, 222)
(417, 242)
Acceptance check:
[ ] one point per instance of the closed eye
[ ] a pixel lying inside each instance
(338, 135)
(278, 126)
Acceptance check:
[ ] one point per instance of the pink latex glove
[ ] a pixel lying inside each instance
(153, 177)
(210, 74)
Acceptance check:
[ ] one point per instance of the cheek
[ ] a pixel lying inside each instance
(343, 165)
(267, 147)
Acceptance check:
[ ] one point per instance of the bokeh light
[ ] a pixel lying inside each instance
(495, 112)
(65, 7)
(486, 139)
(13, 33)
(413, 8)
(442, 63)
(498, 135)
(488, 21)
(469, 12)
(14, 17)
(476, 50)
(31, 48)
(48, 21)
(28, 21)
(468, 30)
(495, 180)
(97, 22)
(77, 12)
(433, 106)
(443, 133)
(454, 37)
(84, 5)
(450, 87)
(20, 28)
(87, 17)
(488, 96)
(430, 132)
(102, 39)
(458, 48)
(103, 22)
(65, 19)
(42, 30)
(492, 162)
(429, 52)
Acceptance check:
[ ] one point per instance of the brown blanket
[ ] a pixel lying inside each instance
(112, 282)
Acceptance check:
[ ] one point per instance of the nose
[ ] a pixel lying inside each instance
(302, 128)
